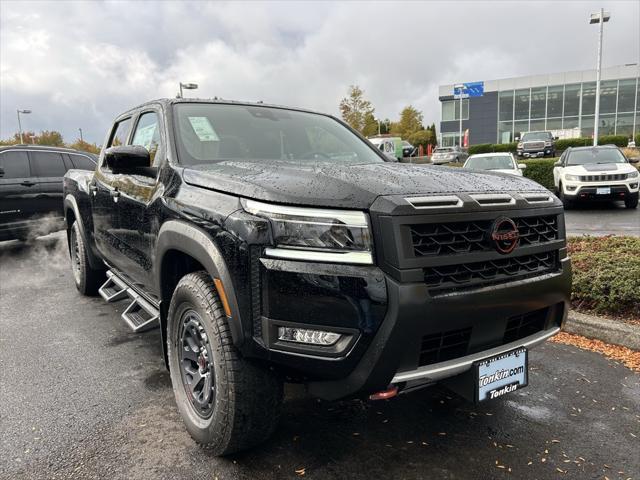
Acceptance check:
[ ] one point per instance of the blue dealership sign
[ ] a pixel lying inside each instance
(470, 89)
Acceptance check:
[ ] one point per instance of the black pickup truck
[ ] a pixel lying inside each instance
(276, 245)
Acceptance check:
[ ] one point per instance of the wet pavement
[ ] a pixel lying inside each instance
(83, 397)
(611, 218)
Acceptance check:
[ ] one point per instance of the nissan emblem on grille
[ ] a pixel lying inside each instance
(505, 235)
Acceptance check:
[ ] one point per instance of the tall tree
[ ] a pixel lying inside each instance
(370, 125)
(355, 108)
(85, 146)
(410, 122)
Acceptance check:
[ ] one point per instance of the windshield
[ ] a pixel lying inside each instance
(443, 150)
(498, 162)
(527, 137)
(595, 155)
(209, 133)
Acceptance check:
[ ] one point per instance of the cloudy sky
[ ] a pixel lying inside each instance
(78, 64)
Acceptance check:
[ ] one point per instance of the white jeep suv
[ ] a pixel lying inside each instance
(595, 173)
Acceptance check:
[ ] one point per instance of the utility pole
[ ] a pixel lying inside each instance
(600, 18)
(20, 123)
(81, 135)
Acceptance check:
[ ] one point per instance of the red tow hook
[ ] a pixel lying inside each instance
(385, 394)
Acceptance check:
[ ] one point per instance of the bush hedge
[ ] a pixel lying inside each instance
(606, 275)
(541, 171)
(561, 145)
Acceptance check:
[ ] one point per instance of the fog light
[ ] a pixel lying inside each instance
(633, 185)
(571, 188)
(312, 337)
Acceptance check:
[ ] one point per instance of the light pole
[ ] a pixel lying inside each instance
(81, 135)
(20, 123)
(601, 17)
(187, 86)
(460, 88)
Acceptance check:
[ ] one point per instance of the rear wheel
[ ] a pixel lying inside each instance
(631, 202)
(227, 403)
(87, 279)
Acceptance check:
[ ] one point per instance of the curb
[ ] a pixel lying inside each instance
(602, 328)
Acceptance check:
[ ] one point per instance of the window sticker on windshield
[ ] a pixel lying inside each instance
(203, 129)
(144, 136)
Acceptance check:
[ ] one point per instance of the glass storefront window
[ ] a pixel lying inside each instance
(505, 108)
(572, 100)
(554, 101)
(554, 124)
(465, 109)
(505, 133)
(519, 128)
(522, 104)
(607, 125)
(586, 129)
(570, 122)
(448, 111)
(538, 102)
(608, 94)
(451, 110)
(627, 95)
(536, 125)
(625, 124)
(588, 98)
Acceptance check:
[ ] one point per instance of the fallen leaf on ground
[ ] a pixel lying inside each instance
(301, 471)
(628, 357)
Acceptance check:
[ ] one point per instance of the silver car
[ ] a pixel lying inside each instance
(442, 155)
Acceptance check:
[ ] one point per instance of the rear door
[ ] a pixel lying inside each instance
(16, 188)
(47, 170)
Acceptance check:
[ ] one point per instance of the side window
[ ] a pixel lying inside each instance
(82, 162)
(15, 164)
(119, 136)
(147, 133)
(47, 164)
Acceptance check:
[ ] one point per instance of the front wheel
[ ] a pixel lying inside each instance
(87, 279)
(227, 403)
(565, 201)
(631, 202)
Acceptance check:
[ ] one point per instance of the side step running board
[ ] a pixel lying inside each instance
(141, 314)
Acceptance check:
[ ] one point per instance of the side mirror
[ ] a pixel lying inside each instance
(522, 166)
(127, 158)
(557, 164)
(1, 172)
(517, 139)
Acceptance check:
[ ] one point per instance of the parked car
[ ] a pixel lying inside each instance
(31, 188)
(595, 173)
(495, 162)
(442, 155)
(408, 150)
(272, 244)
(391, 147)
(536, 144)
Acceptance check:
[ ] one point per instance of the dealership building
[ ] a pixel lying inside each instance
(498, 111)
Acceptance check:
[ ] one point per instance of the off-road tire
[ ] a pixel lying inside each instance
(631, 202)
(247, 397)
(87, 279)
(568, 204)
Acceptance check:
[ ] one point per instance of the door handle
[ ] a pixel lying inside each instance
(115, 194)
(28, 183)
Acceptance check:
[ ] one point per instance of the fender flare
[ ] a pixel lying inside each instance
(70, 203)
(195, 242)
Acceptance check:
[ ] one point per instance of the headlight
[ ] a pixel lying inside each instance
(547, 144)
(571, 178)
(315, 234)
(633, 174)
(520, 145)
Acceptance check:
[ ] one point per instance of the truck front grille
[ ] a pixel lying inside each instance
(436, 239)
(443, 346)
(448, 278)
(533, 145)
(522, 326)
(614, 177)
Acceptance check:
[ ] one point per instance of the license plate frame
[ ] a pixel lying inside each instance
(507, 361)
(603, 190)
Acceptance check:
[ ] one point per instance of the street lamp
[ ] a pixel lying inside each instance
(600, 17)
(81, 139)
(460, 88)
(187, 86)
(20, 124)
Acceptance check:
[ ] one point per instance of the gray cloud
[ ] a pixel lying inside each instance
(78, 64)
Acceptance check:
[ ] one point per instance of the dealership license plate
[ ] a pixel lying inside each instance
(603, 191)
(502, 374)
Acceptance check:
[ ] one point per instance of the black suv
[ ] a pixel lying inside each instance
(31, 188)
(271, 244)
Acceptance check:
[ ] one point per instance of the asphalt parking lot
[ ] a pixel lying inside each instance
(83, 397)
(610, 218)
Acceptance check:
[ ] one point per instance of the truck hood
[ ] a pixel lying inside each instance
(346, 186)
(599, 168)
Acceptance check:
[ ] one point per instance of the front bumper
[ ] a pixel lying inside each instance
(547, 151)
(389, 342)
(589, 191)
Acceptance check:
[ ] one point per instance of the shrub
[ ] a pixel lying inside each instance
(505, 147)
(606, 274)
(540, 171)
(618, 140)
(480, 148)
